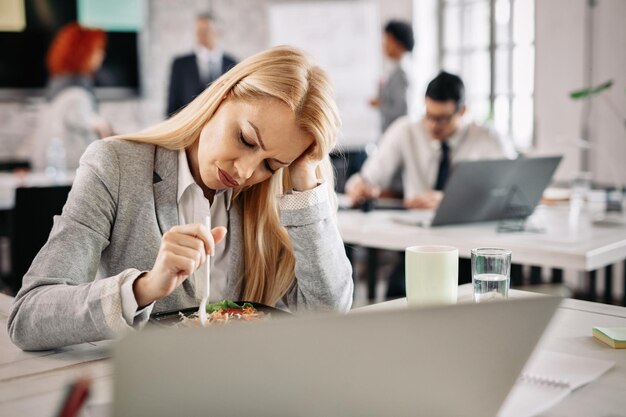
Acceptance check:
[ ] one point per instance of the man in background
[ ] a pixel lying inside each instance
(425, 152)
(192, 73)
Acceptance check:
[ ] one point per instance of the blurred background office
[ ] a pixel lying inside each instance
(518, 67)
(520, 61)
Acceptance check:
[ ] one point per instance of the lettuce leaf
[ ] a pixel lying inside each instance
(223, 305)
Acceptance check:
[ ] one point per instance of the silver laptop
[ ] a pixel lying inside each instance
(447, 361)
(488, 190)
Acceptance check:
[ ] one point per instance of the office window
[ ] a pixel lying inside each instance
(490, 44)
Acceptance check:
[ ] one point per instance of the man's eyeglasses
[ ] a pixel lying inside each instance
(443, 119)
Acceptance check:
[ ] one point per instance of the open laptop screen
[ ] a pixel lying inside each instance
(494, 189)
(448, 361)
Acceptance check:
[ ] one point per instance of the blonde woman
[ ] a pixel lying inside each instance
(251, 153)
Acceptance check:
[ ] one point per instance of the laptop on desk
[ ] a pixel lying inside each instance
(488, 190)
(442, 361)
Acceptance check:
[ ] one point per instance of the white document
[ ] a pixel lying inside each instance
(548, 378)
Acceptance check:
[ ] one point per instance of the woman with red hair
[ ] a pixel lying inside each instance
(71, 114)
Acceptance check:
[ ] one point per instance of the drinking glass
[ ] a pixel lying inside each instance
(491, 270)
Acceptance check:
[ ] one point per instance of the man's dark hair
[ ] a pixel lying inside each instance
(402, 32)
(446, 86)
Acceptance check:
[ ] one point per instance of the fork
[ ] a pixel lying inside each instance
(205, 284)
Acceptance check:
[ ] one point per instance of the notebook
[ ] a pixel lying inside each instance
(547, 379)
(406, 362)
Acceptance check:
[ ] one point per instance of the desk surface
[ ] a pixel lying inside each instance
(569, 241)
(33, 383)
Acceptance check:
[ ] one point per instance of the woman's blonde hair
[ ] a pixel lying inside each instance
(289, 75)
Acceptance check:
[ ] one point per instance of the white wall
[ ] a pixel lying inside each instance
(610, 56)
(425, 54)
(560, 69)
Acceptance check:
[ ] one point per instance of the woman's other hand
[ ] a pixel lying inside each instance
(302, 172)
(183, 249)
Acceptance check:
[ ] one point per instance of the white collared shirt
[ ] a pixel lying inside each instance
(193, 207)
(408, 146)
(209, 62)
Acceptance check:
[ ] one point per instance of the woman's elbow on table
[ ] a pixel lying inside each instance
(18, 331)
(25, 328)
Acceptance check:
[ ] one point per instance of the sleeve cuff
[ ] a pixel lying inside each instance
(130, 309)
(300, 208)
(297, 200)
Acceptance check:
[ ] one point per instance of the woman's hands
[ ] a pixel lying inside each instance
(302, 172)
(183, 249)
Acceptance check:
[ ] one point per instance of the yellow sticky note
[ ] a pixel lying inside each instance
(612, 336)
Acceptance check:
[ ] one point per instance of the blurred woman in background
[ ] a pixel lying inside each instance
(70, 118)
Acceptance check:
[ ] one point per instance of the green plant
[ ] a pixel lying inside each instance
(586, 93)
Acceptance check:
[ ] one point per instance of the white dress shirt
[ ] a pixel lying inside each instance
(193, 207)
(70, 117)
(408, 146)
(209, 63)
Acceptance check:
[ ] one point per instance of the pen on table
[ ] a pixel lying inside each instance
(76, 395)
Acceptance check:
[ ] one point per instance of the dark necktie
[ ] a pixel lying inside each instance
(444, 167)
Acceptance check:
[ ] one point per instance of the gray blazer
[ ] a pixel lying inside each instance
(122, 201)
(393, 97)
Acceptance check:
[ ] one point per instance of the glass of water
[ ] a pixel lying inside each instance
(491, 271)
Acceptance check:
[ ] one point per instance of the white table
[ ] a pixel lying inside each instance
(571, 240)
(585, 247)
(33, 383)
(570, 332)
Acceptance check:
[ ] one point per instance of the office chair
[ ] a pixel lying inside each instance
(31, 223)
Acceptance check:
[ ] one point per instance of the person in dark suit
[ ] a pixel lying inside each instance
(192, 73)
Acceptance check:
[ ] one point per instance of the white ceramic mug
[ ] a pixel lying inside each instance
(432, 275)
